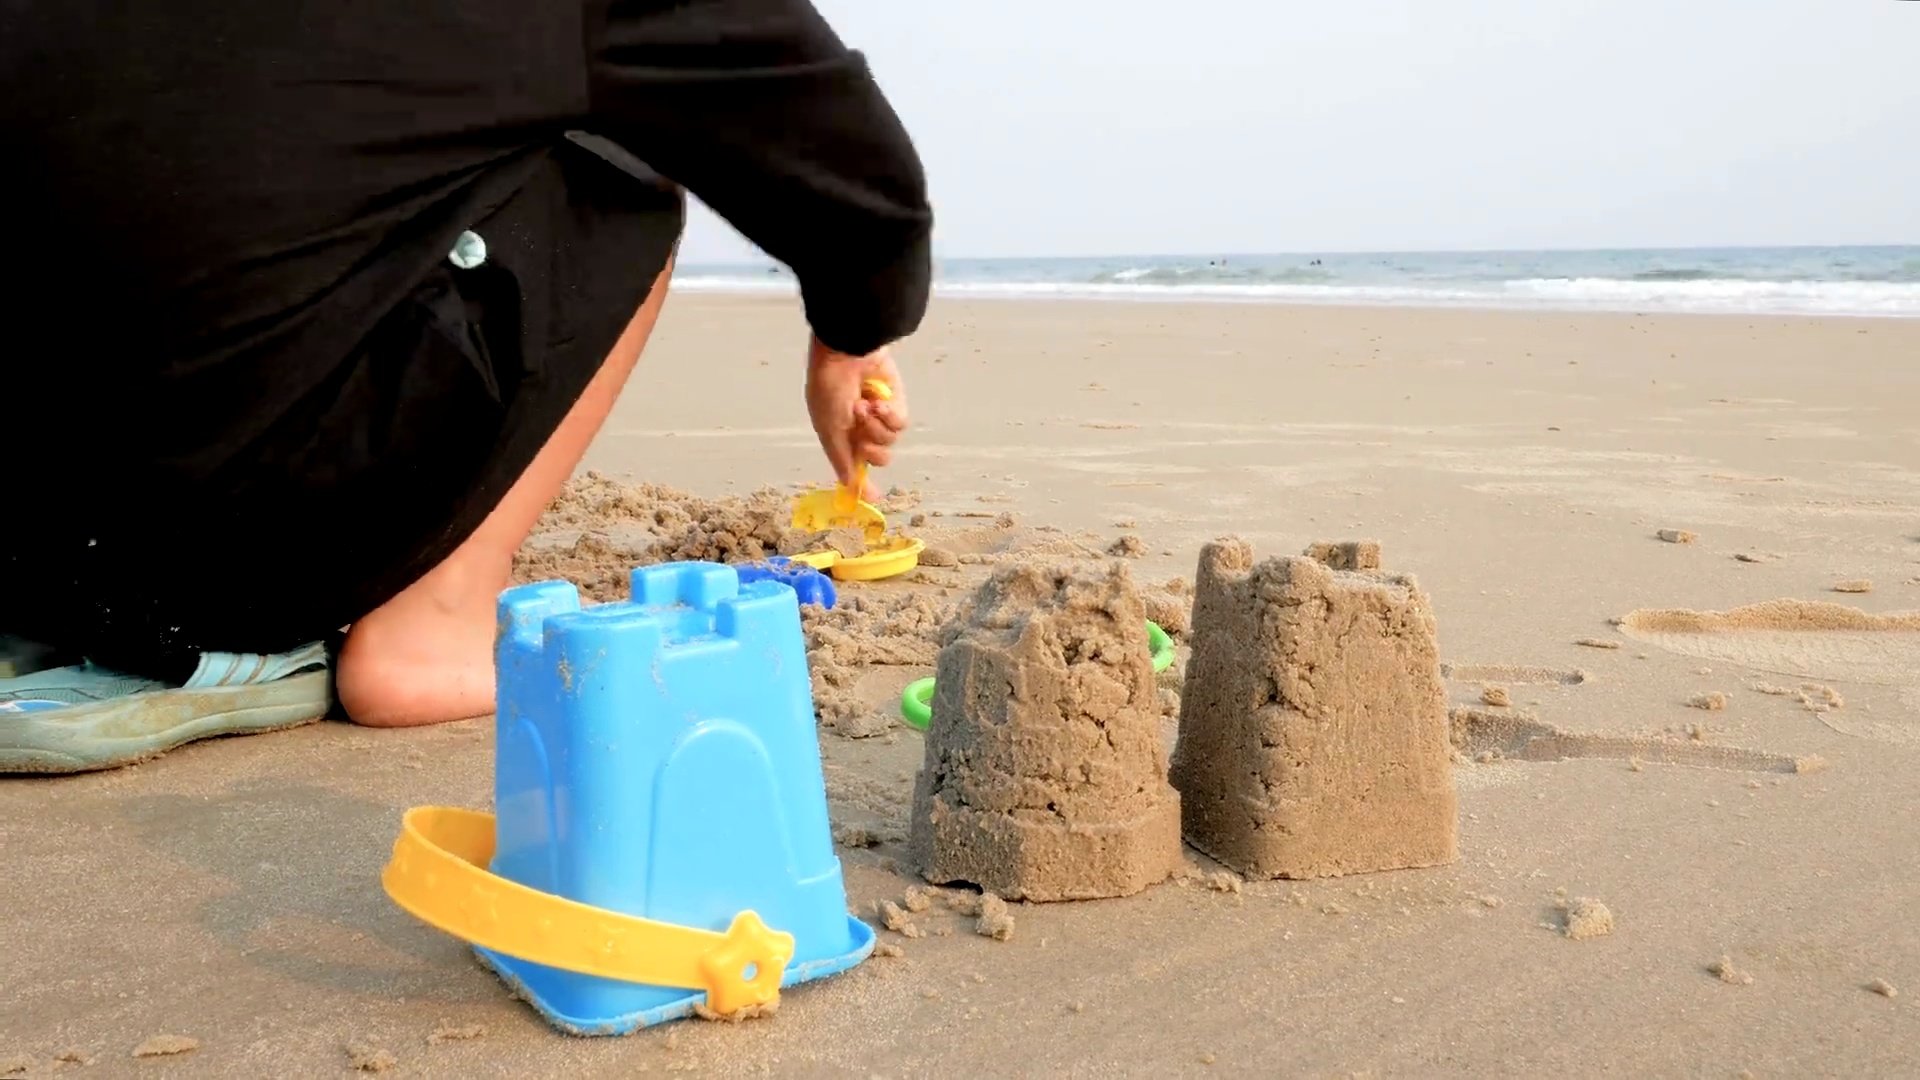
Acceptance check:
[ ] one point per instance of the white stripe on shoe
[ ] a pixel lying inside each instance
(85, 718)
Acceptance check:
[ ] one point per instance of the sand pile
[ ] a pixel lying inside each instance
(1045, 778)
(1805, 639)
(1313, 727)
(1772, 615)
(598, 529)
(863, 630)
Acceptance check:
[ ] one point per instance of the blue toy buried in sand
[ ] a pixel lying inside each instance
(807, 583)
(662, 842)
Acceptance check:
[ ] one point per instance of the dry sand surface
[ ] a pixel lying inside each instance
(1642, 887)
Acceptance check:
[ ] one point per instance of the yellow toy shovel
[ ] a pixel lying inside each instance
(822, 510)
(841, 507)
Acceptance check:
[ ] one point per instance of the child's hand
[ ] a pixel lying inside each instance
(853, 428)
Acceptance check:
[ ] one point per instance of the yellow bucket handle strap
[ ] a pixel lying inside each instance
(438, 874)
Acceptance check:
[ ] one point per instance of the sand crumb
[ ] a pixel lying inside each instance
(1812, 763)
(896, 919)
(17, 1065)
(918, 898)
(1128, 547)
(1225, 881)
(855, 836)
(938, 558)
(447, 1031)
(166, 1046)
(995, 921)
(1713, 701)
(1496, 695)
(1677, 536)
(1853, 585)
(738, 1016)
(1490, 901)
(1724, 970)
(1634, 764)
(1813, 697)
(1884, 988)
(888, 949)
(366, 1057)
(1752, 557)
(1819, 697)
(1588, 918)
(1597, 643)
(73, 1055)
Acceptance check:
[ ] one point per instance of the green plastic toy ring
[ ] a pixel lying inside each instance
(916, 702)
(1161, 645)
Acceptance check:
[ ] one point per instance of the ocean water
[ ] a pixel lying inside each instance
(1883, 281)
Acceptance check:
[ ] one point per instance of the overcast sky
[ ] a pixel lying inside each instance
(1107, 127)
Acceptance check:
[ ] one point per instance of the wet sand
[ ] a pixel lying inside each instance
(1520, 465)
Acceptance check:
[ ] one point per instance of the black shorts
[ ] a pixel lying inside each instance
(304, 517)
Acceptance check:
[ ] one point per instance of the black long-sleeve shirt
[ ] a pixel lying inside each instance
(759, 109)
(224, 171)
(236, 351)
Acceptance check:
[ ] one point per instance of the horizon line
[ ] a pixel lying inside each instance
(758, 258)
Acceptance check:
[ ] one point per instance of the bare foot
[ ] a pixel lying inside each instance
(424, 657)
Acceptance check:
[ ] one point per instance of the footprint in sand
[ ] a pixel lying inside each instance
(1808, 640)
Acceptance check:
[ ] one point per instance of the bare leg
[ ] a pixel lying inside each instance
(426, 656)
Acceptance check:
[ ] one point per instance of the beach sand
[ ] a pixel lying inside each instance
(1521, 465)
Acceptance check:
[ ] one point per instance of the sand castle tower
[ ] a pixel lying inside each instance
(1045, 776)
(1313, 728)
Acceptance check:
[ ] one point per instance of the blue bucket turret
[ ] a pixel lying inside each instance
(657, 757)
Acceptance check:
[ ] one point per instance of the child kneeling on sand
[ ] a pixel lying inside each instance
(319, 315)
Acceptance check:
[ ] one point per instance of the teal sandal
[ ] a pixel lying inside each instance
(82, 717)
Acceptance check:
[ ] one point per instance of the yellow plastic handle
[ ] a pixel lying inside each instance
(438, 874)
(850, 496)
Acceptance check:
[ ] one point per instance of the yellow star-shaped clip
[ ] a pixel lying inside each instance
(749, 946)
